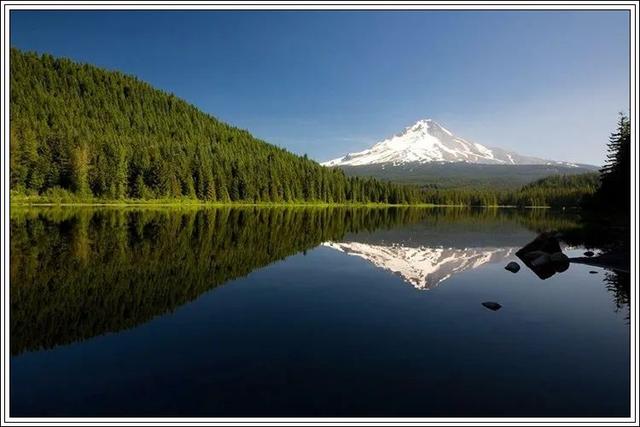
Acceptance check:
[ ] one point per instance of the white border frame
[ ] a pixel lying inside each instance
(8, 6)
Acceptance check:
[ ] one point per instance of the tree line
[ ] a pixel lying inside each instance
(553, 191)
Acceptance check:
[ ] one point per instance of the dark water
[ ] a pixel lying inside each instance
(307, 312)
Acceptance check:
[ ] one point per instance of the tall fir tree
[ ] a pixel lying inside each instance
(615, 177)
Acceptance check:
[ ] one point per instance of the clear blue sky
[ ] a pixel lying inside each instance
(548, 84)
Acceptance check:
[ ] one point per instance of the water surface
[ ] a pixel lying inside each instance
(307, 312)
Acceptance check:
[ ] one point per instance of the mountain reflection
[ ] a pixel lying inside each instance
(423, 267)
(81, 272)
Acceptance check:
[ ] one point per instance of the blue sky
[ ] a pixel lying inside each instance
(548, 84)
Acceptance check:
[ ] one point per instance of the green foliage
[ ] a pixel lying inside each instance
(102, 134)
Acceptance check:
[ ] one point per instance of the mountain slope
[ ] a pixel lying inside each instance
(85, 132)
(428, 154)
(427, 141)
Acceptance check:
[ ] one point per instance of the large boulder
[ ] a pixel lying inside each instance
(544, 256)
(540, 260)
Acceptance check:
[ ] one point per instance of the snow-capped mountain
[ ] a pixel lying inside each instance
(423, 267)
(427, 141)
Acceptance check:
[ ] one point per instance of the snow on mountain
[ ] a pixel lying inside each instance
(423, 267)
(427, 141)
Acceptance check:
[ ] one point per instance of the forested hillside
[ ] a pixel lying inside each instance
(460, 175)
(83, 131)
(554, 191)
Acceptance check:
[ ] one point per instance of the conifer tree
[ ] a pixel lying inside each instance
(615, 176)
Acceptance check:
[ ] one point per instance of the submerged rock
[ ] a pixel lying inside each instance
(513, 267)
(593, 272)
(589, 253)
(493, 306)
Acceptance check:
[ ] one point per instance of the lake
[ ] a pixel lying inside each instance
(308, 312)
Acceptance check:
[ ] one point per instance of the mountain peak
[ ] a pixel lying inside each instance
(427, 125)
(427, 141)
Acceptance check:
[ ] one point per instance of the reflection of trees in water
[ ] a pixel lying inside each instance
(77, 273)
(619, 284)
(610, 235)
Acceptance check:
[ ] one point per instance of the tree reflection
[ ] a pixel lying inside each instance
(619, 284)
(81, 272)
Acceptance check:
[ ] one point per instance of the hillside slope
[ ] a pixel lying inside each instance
(78, 129)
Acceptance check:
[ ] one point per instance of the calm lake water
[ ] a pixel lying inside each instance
(307, 312)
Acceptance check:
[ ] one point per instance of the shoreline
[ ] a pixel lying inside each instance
(200, 204)
(616, 259)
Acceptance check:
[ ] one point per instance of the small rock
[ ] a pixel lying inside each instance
(589, 253)
(593, 272)
(494, 306)
(513, 267)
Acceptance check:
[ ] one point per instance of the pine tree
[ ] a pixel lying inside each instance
(221, 192)
(139, 190)
(80, 170)
(615, 176)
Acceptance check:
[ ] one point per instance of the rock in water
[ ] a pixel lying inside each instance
(543, 256)
(541, 261)
(513, 267)
(560, 261)
(589, 253)
(593, 272)
(493, 306)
